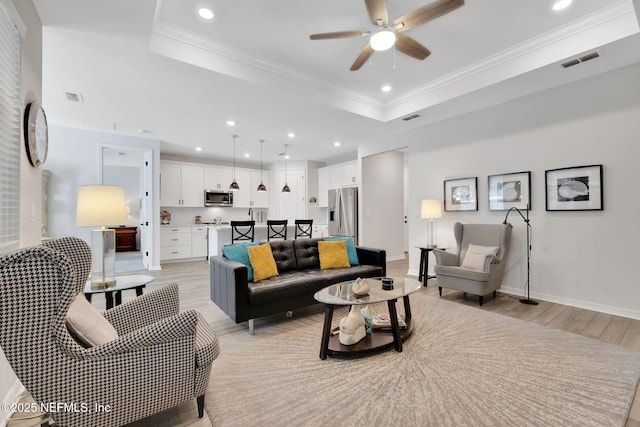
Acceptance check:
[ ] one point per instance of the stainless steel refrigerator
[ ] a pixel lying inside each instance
(343, 212)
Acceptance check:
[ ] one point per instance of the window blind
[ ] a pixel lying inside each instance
(9, 130)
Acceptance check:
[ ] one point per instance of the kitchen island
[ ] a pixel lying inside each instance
(219, 235)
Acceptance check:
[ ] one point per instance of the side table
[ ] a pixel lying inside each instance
(136, 281)
(423, 274)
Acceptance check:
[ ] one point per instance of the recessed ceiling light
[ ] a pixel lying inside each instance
(231, 123)
(291, 135)
(247, 155)
(561, 4)
(198, 148)
(385, 88)
(205, 13)
(336, 144)
(287, 156)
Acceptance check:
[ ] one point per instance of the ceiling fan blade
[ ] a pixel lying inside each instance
(339, 35)
(425, 14)
(377, 11)
(410, 47)
(365, 54)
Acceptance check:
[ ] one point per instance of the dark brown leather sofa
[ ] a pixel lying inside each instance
(299, 277)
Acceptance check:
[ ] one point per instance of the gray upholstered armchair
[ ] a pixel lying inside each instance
(156, 358)
(478, 264)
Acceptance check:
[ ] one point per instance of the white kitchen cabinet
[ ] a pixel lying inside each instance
(323, 187)
(217, 178)
(320, 230)
(349, 175)
(199, 241)
(335, 177)
(175, 242)
(248, 196)
(181, 185)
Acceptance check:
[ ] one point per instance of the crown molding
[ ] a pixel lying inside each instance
(612, 15)
(261, 70)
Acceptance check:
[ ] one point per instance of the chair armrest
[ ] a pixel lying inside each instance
(144, 310)
(446, 258)
(373, 256)
(167, 330)
(229, 287)
(489, 261)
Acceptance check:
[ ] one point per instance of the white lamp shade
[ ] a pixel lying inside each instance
(431, 209)
(101, 205)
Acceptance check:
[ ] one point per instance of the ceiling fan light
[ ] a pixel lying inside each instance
(382, 40)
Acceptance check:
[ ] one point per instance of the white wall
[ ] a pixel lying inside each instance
(382, 198)
(83, 167)
(586, 259)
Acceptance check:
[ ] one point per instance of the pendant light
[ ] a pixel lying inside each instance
(261, 188)
(286, 188)
(234, 185)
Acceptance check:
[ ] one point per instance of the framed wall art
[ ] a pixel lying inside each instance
(574, 189)
(510, 190)
(461, 194)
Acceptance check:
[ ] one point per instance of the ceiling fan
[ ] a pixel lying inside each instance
(386, 34)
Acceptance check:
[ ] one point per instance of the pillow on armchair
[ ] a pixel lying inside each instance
(476, 255)
(87, 325)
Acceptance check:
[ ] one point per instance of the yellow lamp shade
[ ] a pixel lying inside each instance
(101, 205)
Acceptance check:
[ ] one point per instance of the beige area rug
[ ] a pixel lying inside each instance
(461, 367)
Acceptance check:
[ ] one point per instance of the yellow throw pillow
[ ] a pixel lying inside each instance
(264, 266)
(333, 254)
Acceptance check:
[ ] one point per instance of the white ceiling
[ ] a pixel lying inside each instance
(156, 69)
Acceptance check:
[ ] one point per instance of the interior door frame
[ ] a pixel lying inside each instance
(146, 201)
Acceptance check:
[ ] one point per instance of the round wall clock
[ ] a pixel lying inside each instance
(36, 134)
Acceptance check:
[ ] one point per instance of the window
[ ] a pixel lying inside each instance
(9, 130)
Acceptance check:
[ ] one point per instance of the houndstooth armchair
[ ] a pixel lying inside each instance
(161, 358)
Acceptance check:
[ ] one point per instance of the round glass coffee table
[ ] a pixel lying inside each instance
(341, 295)
(134, 281)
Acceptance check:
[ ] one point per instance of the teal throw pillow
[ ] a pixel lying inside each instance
(351, 249)
(239, 253)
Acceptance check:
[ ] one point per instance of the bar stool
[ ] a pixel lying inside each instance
(242, 231)
(277, 229)
(303, 228)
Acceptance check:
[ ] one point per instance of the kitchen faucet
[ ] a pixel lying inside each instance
(251, 213)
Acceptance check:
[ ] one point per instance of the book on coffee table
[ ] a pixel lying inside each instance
(382, 322)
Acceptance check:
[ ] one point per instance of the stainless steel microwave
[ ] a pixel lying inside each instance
(218, 198)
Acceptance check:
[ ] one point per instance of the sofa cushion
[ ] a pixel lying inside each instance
(239, 253)
(307, 253)
(333, 254)
(87, 324)
(337, 275)
(284, 255)
(264, 266)
(351, 249)
(287, 285)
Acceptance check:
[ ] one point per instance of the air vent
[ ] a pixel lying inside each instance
(589, 57)
(581, 59)
(73, 97)
(571, 63)
(411, 117)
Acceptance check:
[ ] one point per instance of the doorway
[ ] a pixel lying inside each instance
(130, 168)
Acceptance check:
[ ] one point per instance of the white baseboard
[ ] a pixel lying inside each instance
(396, 258)
(588, 305)
(13, 395)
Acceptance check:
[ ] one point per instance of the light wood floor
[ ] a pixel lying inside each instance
(193, 278)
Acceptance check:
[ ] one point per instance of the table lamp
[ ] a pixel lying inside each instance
(100, 206)
(431, 209)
